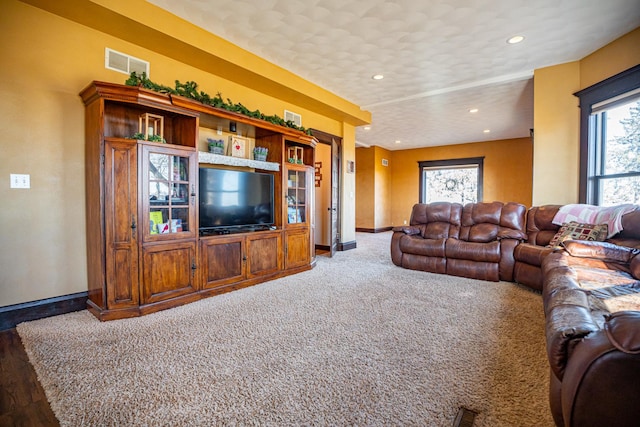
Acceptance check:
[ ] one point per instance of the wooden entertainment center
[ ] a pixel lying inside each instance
(144, 249)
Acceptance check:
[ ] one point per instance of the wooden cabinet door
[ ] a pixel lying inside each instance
(168, 192)
(121, 223)
(297, 250)
(264, 254)
(296, 200)
(222, 260)
(168, 271)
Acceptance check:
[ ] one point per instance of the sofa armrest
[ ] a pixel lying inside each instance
(568, 322)
(601, 385)
(409, 230)
(603, 251)
(509, 233)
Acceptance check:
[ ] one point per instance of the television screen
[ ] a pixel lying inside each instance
(230, 198)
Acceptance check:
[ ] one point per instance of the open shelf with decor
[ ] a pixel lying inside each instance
(220, 159)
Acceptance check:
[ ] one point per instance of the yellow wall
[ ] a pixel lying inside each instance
(373, 183)
(557, 116)
(507, 172)
(556, 124)
(383, 187)
(48, 58)
(611, 59)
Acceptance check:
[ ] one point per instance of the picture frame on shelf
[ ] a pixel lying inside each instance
(238, 147)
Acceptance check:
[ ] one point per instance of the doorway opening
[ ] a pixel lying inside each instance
(327, 194)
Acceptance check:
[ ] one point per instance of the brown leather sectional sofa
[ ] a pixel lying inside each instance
(592, 307)
(591, 295)
(540, 230)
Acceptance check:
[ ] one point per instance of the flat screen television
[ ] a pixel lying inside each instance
(231, 199)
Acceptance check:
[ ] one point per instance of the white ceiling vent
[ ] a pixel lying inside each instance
(124, 63)
(290, 116)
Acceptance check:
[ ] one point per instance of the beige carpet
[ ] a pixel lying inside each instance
(355, 341)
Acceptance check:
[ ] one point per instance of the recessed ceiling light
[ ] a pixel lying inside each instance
(398, 141)
(473, 110)
(367, 128)
(486, 130)
(377, 77)
(515, 39)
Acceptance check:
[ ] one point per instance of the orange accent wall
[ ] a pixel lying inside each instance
(507, 172)
(365, 188)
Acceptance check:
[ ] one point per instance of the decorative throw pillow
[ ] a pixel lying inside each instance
(579, 231)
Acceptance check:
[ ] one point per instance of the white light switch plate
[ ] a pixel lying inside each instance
(20, 180)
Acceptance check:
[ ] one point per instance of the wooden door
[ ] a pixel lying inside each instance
(297, 248)
(263, 253)
(121, 224)
(222, 260)
(168, 271)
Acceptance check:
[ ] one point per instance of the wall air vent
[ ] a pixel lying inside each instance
(124, 63)
(290, 116)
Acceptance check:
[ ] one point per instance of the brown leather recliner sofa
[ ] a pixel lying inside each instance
(591, 295)
(476, 240)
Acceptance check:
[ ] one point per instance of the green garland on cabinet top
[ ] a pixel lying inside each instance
(190, 90)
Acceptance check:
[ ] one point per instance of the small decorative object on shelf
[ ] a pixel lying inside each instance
(260, 153)
(151, 125)
(295, 155)
(238, 146)
(216, 146)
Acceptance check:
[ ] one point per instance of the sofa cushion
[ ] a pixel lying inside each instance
(579, 231)
(486, 222)
(540, 227)
(440, 220)
(473, 251)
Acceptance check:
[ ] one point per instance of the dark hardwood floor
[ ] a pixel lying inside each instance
(22, 399)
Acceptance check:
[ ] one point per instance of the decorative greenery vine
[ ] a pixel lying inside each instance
(190, 90)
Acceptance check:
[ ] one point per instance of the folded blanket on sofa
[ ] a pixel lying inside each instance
(590, 214)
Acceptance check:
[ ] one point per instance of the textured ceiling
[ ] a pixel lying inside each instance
(439, 58)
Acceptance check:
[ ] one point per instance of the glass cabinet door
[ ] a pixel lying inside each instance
(170, 193)
(296, 196)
